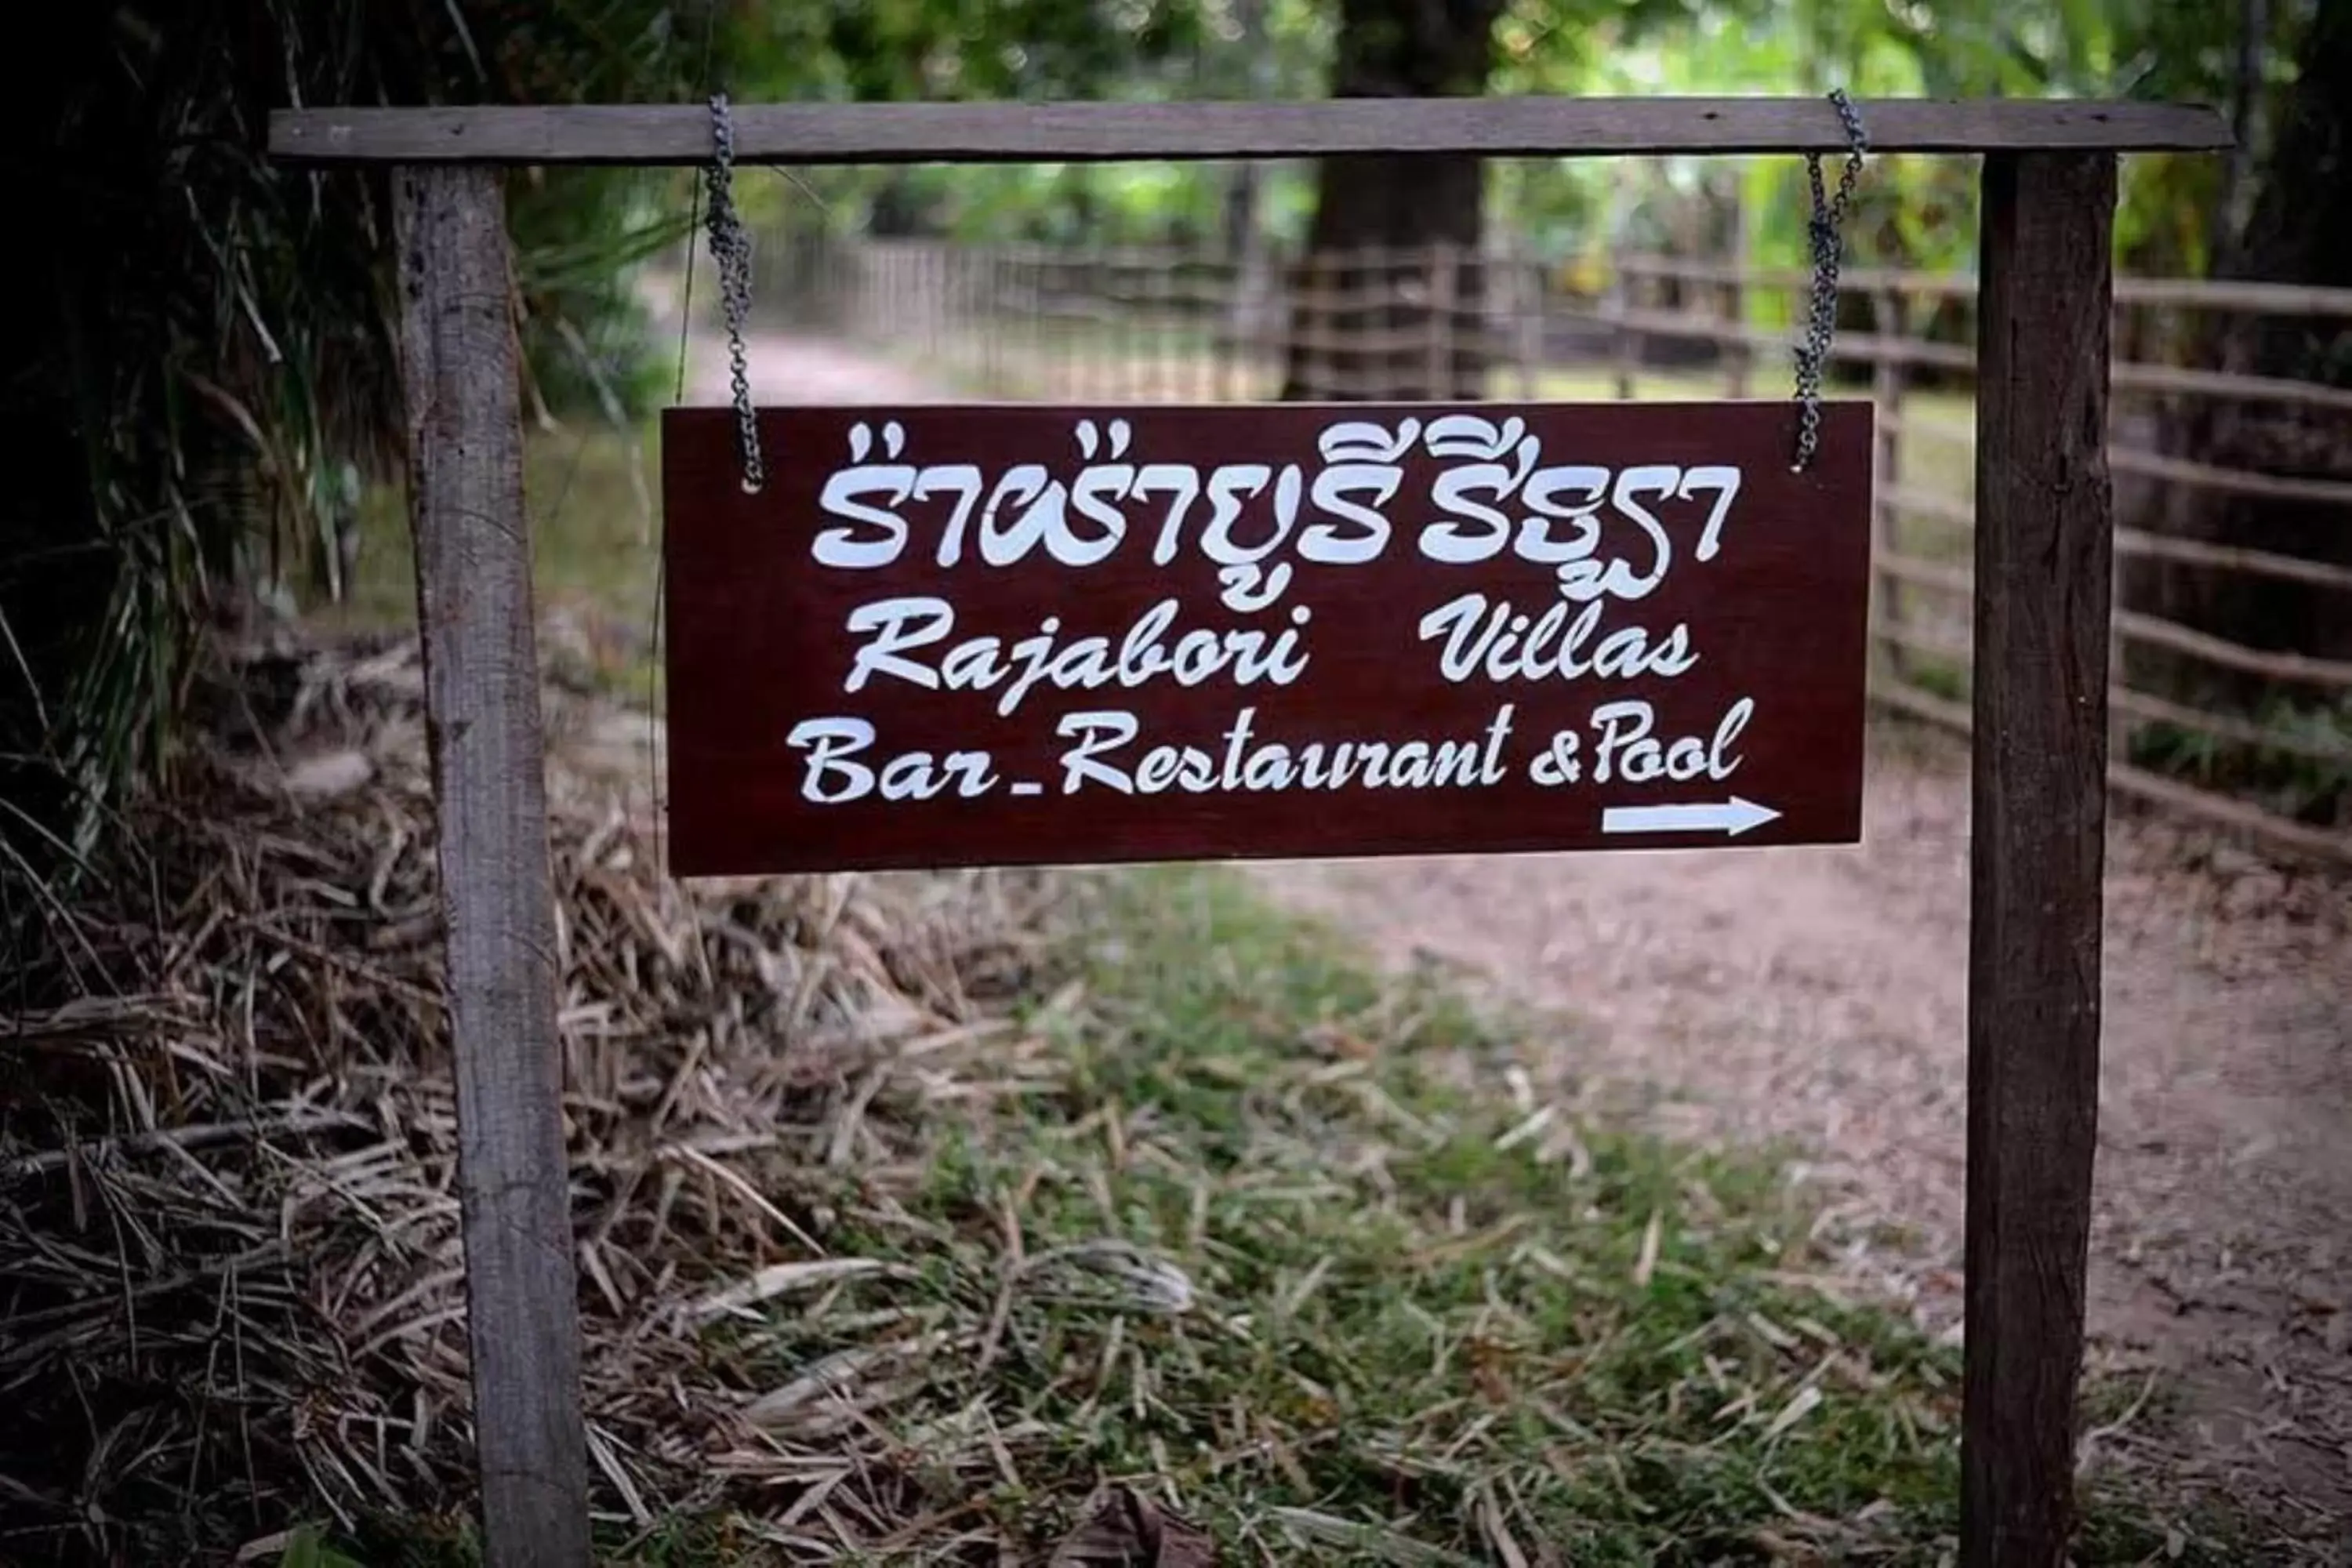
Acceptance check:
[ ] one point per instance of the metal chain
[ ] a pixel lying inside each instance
(1828, 217)
(730, 247)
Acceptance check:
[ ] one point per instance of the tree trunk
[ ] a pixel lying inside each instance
(2301, 228)
(1353, 283)
(1244, 179)
(2300, 231)
(1248, 316)
(2229, 214)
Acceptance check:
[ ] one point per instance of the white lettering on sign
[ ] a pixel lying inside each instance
(1103, 754)
(1503, 643)
(1108, 749)
(835, 773)
(1458, 489)
(1595, 527)
(1149, 649)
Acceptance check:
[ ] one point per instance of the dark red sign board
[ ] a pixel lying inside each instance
(1005, 634)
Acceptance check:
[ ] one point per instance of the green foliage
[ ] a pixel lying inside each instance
(208, 388)
(204, 386)
(1916, 211)
(306, 1547)
(1913, 211)
(1126, 49)
(2304, 774)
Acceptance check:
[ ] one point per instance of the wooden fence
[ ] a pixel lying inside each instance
(1145, 325)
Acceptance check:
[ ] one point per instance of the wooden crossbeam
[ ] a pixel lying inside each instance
(1066, 132)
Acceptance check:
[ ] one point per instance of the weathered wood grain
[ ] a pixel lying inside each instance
(1065, 132)
(2044, 543)
(473, 590)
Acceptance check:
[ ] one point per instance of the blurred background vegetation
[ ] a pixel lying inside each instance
(199, 388)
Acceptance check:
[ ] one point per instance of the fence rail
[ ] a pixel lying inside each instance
(1147, 324)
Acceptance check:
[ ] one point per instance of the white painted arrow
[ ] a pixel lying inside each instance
(1730, 817)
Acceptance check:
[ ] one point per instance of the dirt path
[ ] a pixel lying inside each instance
(1816, 996)
(785, 369)
(782, 367)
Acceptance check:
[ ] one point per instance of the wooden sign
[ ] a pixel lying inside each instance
(1006, 634)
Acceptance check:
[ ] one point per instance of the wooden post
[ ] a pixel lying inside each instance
(1044, 351)
(1119, 305)
(1739, 357)
(1886, 524)
(991, 320)
(1624, 347)
(1319, 322)
(459, 370)
(1200, 314)
(1225, 316)
(849, 286)
(1445, 286)
(1158, 286)
(963, 311)
(931, 271)
(928, 261)
(1082, 337)
(2043, 548)
(1527, 317)
(1735, 303)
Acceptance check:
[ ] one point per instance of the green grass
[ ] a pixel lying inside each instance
(2296, 778)
(1281, 1247)
(1411, 1325)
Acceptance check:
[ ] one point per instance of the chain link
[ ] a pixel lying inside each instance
(730, 247)
(1821, 323)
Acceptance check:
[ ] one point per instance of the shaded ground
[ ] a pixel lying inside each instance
(1817, 996)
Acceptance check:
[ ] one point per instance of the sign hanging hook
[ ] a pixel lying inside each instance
(730, 248)
(1820, 324)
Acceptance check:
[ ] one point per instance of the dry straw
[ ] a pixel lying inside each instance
(228, 1210)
